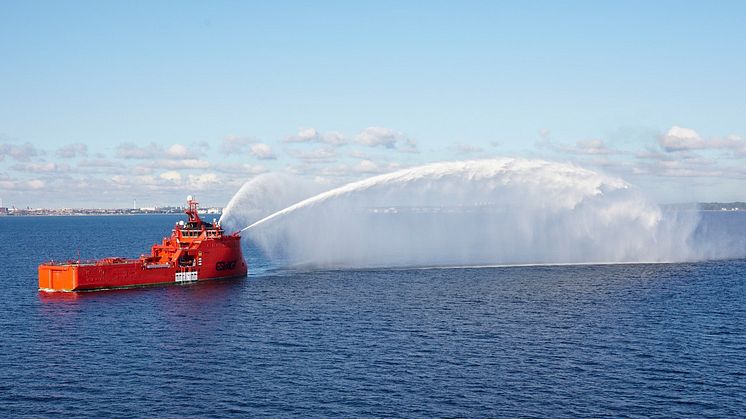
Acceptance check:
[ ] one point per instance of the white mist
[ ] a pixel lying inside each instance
(485, 212)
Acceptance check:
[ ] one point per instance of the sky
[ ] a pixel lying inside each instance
(102, 103)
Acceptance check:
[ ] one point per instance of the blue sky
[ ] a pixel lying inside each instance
(104, 102)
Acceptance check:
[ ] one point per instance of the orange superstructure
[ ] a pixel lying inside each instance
(195, 251)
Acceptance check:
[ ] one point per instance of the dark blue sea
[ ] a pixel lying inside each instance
(643, 340)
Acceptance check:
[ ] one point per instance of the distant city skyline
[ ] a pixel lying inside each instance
(103, 103)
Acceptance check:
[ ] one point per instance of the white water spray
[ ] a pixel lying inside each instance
(263, 195)
(487, 212)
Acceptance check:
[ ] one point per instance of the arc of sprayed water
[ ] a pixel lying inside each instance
(405, 175)
(350, 187)
(399, 175)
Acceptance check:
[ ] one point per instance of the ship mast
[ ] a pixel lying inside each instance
(191, 210)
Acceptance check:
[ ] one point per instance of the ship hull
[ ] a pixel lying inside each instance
(72, 277)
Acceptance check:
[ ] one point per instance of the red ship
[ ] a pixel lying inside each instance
(196, 251)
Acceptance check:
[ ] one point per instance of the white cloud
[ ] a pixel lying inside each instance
(73, 150)
(179, 152)
(678, 138)
(119, 179)
(386, 138)
(21, 185)
(371, 137)
(132, 151)
(357, 154)
(41, 167)
(683, 168)
(677, 155)
(732, 142)
(262, 152)
(35, 184)
(592, 147)
(98, 162)
(312, 135)
(172, 176)
(233, 144)
(334, 138)
(378, 136)
(367, 166)
(154, 151)
(183, 164)
(145, 180)
(203, 180)
(304, 135)
(345, 172)
(22, 152)
(318, 155)
(142, 169)
(239, 169)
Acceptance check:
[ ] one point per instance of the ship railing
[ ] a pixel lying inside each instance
(105, 261)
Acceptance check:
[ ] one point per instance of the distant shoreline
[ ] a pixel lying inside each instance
(103, 214)
(4, 213)
(215, 212)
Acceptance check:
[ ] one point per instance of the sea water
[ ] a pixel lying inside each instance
(661, 339)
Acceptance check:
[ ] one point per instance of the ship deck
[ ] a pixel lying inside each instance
(93, 262)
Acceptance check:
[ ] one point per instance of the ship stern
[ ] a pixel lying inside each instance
(54, 278)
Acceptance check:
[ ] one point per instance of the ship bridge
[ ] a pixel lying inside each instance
(195, 227)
